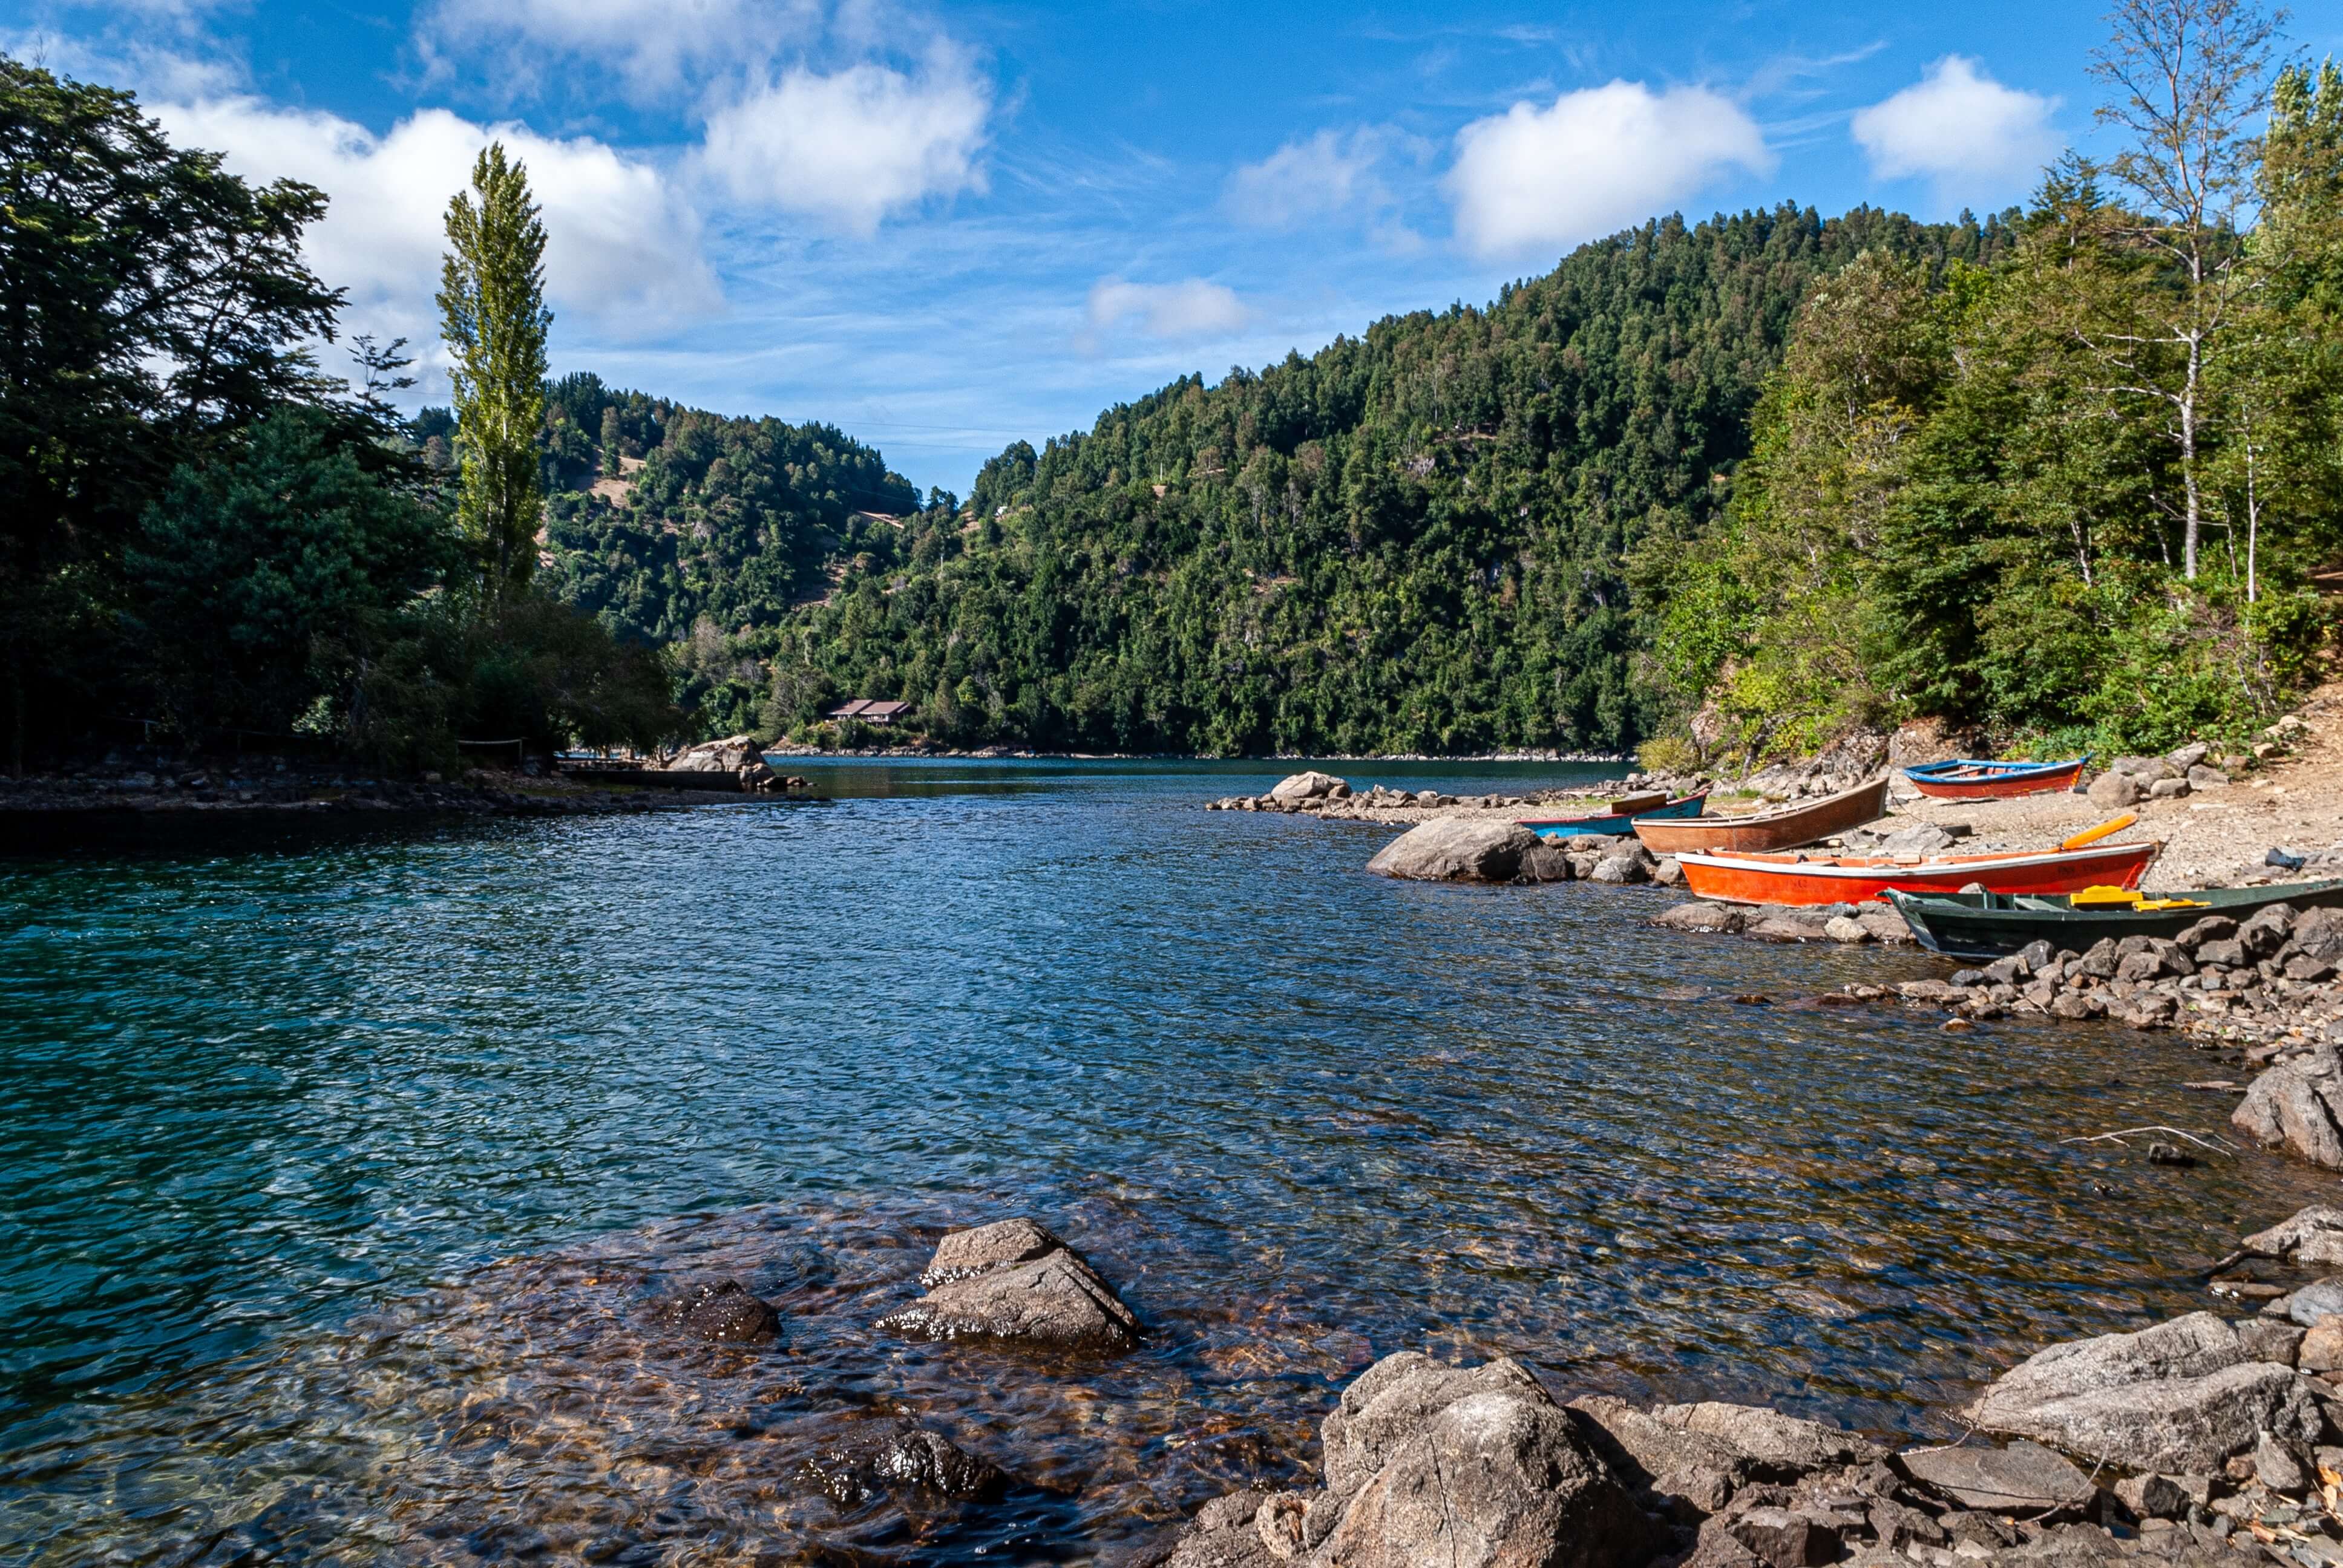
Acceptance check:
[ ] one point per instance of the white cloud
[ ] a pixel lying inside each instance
(622, 247)
(1959, 126)
(1325, 176)
(1596, 161)
(855, 145)
(1190, 309)
(657, 45)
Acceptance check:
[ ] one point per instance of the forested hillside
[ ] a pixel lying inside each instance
(1418, 539)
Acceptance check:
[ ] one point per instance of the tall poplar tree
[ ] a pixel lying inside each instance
(494, 319)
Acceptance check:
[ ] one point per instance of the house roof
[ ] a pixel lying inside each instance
(886, 709)
(849, 709)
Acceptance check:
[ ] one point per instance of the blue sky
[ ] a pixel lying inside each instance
(945, 227)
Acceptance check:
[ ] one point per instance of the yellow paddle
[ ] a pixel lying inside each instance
(2093, 835)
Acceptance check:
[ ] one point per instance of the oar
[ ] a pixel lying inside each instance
(2093, 835)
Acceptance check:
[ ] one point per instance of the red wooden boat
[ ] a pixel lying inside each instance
(1971, 779)
(1852, 879)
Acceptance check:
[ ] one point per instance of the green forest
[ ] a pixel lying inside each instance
(2061, 478)
(2066, 475)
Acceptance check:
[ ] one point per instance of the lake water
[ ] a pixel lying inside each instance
(339, 1169)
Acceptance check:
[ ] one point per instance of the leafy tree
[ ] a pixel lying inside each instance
(254, 571)
(152, 307)
(494, 321)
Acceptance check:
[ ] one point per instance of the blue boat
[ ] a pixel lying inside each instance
(1968, 778)
(1617, 822)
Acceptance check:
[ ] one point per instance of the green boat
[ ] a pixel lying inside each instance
(1991, 925)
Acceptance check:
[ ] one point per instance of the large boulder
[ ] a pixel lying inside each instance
(2297, 1107)
(1312, 786)
(1426, 1463)
(1458, 849)
(2182, 1396)
(1014, 1281)
(742, 755)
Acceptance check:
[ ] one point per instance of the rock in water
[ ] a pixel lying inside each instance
(2313, 1235)
(1785, 1444)
(2287, 1106)
(725, 1312)
(1311, 786)
(2181, 1396)
(901, 1457)
(1014, 1281)
(1457, 849)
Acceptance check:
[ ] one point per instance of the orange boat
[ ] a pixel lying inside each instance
(1852, 879)
(1784, 828)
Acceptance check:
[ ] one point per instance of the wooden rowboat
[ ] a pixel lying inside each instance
(1988, 925)
(1852, 879)
(1784, 827)
(1618, 821)
(1970, 780)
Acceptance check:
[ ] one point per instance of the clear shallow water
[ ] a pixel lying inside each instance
(337, 1172)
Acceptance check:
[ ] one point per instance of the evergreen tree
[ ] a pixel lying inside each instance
(494, 319)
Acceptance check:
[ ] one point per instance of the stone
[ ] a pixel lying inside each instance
(2188, 756)
(1225, 1533)
(2270, 1340)
(2202, 777)
(2277, 1466)
(1920, 839)
(1701, 1470)
(2179, 1396)
(1546, 864)
(2266, 932)
(2286, 1107)
(2212, 928)
(2321, 1350)
(1626, 866)
(2112, 791)
(1700, 915)
(1456, 849)
(2154, 1496)
(1785, 1443)
(2147, 770)
(724, 1311)
(1781, 1539)
(1310, 786)
(2167, 790)
(2037, 956)
(1448, 1464)
(2138, 967)
(901, 1456)
(1053, 1299)
(2228, 955)
(2310, 1235)
(1668, 873)
(2320, 1299)
(2023, 1477)
(1845, 929)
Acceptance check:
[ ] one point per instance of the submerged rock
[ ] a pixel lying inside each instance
(1014, 1281)
(1457, 849)
(2180, 1396)
(724, 1311)
(898, 1457)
